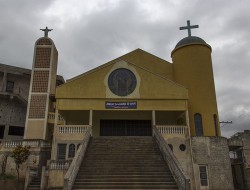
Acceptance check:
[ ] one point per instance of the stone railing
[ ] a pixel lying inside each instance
(172, 129)
(181, 178)
(70, 176)
(18, 92)
(32, 143)
(59, 164)
(51, 118)
(73, 128)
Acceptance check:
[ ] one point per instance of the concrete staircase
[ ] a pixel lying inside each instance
(124, 163)
(35, 184)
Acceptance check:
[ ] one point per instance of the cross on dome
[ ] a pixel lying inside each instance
(46, 31)
(189, 27)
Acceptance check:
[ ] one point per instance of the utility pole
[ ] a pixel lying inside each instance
(225, 123)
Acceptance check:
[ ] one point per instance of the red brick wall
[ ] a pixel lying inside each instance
(42, 57)
(40, 81)
(37, 106)
(44, 41)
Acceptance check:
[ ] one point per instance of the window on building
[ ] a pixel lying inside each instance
(203, 175)
(71, 151)
(2, 127)
(182, 147)
(215, 125)
(198, 124)
(61, 151)
(16, 131)
(10, 86)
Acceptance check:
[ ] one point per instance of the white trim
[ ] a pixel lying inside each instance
(44, 46)
(42, 69)
(203, 187)
(48, 92)
(153, 118)
(90, 117)
(30, 93)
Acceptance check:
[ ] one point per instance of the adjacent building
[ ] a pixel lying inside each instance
(14, 93)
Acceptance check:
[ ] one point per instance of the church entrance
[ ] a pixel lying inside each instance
(125, 128)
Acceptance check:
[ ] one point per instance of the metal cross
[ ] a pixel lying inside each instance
(189, 27)
(46, 31)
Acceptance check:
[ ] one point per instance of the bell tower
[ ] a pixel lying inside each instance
(193, 69)
(42, 88)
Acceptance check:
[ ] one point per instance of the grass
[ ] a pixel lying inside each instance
(3, 177)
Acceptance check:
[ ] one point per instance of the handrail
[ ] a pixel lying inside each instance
(172, 129)
(72, 128)
(70, 176)
(59, 164)
(25, 142)
(181, 178)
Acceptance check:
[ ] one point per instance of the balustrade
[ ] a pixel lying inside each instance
(180, 176)
(172, 129)
(70, 176)
(59, 164)
(31, 143)
(73, 128)
(51, 116)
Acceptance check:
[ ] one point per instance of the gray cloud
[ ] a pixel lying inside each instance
(90, 33)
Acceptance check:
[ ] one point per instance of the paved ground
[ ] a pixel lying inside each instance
(11, 184)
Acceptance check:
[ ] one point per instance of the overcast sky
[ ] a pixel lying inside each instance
(92, 32)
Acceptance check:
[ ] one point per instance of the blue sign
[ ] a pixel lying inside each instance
(120, 105)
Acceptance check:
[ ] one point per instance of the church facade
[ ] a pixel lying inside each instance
(129, 96)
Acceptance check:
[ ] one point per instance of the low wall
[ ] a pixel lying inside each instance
(213, 153)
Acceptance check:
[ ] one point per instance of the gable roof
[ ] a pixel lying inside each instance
(154, 84)
(159, 66)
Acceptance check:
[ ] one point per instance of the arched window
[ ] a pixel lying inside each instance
(71, 151)
(198, 124)
(215, 125)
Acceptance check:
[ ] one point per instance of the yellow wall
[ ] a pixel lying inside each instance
(94, 85)
(193, 69)
(99, 104)
(90, 90)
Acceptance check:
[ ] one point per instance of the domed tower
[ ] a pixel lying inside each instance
(192, 65)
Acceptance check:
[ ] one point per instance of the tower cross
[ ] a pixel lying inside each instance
(189, 27)
(46, 31)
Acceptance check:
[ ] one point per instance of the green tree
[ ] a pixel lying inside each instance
(20, 154)
(4, 162)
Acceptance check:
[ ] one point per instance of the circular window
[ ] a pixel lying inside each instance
(182, 147)
(122, 82)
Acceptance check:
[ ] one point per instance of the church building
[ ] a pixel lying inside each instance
(135, 96)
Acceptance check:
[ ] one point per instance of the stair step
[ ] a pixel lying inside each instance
(127, 186)
(132, 180)
(35, 184)
(124, 163)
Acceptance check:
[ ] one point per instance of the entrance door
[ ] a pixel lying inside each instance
(125, 128)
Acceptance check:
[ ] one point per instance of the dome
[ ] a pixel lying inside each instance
(190, 40)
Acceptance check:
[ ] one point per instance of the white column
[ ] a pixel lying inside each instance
(54, 144)
(153, 117)
(90, 117)
(187, 123)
